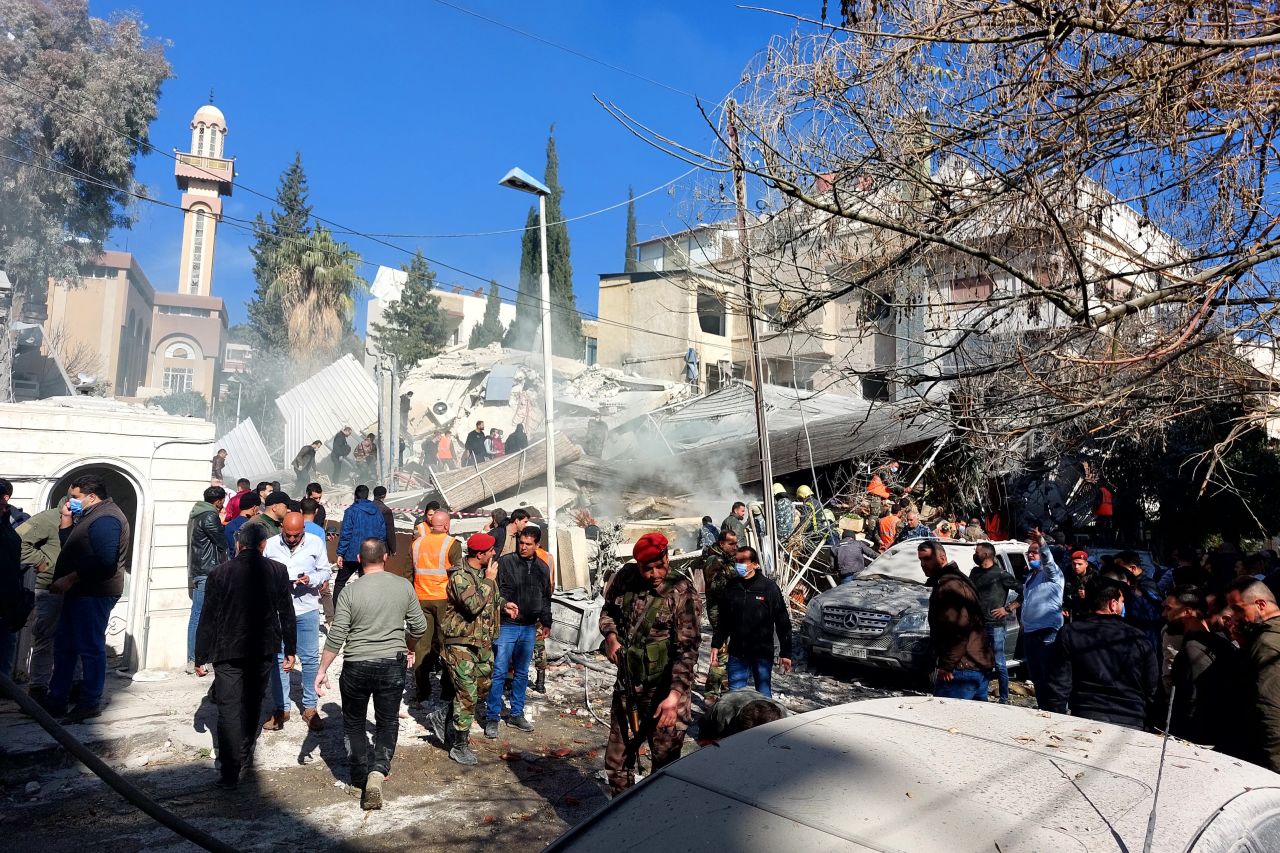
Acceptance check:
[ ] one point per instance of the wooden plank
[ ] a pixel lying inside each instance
(478, 484)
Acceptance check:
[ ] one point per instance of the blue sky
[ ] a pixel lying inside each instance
(407, 116)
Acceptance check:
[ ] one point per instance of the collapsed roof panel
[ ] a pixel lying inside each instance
(343, 394)
(247, 455)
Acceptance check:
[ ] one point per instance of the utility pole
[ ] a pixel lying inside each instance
(757, 367)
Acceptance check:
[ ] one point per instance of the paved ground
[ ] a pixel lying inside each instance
(526, 790)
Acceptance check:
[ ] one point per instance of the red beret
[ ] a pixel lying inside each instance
(480, 542)
(1079, 555)
(650, 547)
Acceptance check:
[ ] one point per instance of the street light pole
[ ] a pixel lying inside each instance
(518, 179)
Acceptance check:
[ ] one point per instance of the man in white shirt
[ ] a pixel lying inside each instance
(307, 562)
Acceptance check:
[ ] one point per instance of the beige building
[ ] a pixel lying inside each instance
(109, 311)
(150, 343)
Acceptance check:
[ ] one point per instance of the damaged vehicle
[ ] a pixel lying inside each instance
(880, 619)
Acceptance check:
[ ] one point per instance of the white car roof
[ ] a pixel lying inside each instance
(901, 561)
(927, 774)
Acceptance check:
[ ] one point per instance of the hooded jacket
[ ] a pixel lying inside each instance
(362, 520)
(206, 541)
(957, 629)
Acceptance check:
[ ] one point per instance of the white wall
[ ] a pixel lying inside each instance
(42, 441)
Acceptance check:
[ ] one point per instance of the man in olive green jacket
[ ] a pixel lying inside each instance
(40, 549)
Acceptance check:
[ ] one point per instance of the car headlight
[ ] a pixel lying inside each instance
(813, 612)
(913, 622)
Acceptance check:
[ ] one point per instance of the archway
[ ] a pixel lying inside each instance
(123, 489)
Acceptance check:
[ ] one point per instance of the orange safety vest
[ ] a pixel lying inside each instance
(431, 563)
(444, 447)
(1105, 506)
(888, 531)
(878, 488)
(551, 566)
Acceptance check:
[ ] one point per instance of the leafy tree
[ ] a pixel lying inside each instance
(289, 221)
(73, 76)
(489, 330)
(315, 284)
(565, 320)
(630, 263)
(190, 404)
(413, 327)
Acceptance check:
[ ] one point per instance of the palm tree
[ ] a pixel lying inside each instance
(315, 286)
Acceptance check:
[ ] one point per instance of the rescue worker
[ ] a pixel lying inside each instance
(784, 512)
(810, 511)
(470, 626)
(879, 494)
(651, 625)
(717, 564)
(434, 552)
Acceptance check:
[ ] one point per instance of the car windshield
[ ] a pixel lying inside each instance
(901, 562)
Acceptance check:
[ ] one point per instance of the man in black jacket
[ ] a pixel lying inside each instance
(247, 616)
(476, 452)
(339, 449)
(1101, 667)
(89, 575)
(525, 580)
(388, 518)
(852, 555)
(993, 585)
(207, 547)
(751, 613)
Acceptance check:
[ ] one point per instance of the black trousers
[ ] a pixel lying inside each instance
(238, 687)
(349, 568)
(382, 681)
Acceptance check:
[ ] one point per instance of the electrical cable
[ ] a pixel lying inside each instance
(122, 786)
(565, 48)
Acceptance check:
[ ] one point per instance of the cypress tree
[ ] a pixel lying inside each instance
(289, 219)
(566, 323)
(630, 264)
(489, 330)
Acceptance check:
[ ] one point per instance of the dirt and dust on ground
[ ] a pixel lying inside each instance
(526, 790)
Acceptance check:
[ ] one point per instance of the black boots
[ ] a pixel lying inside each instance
(540, 686)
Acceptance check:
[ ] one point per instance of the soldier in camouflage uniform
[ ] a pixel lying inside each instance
(651, 623)
(716, 563)
(469, 626)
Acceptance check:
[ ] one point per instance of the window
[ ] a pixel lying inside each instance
(178, 379)
(184, 311)
(180, 351)
(711, 312)
(200, 142)
(875, 386)
(972, 289)
(197, 252)
(589, 356)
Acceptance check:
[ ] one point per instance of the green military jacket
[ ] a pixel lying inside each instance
(717, 571)
(661, 647)
(473, 604)
(40, 543)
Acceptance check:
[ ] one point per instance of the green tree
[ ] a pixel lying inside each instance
(413, 327)
(289, 221)
(489, 330)
(73, 76)
(191, 404)
(629, 264)
(565, 321)
(315, 286)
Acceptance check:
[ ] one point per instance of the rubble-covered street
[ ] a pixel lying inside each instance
(158, 734)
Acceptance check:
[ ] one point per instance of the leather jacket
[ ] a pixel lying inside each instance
(208, 542)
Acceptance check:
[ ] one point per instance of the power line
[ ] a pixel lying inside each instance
(248, 227)
(565, 48)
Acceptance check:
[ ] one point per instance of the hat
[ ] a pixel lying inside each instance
(650, 547)
(779, 489)
(480, 542)
(1079, 555)
(277, 498)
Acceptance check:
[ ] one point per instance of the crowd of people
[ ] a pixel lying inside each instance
(443, 452)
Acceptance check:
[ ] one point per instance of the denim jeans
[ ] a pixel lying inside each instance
(760, 670)
(996, 636)
(308, 659)
(1038, 646)
(44, 627)
(82, 636)
(197, 605)
(383, 681)
(512, 650)
(964, 684)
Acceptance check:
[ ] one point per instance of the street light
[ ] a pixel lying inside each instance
(519, 179)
